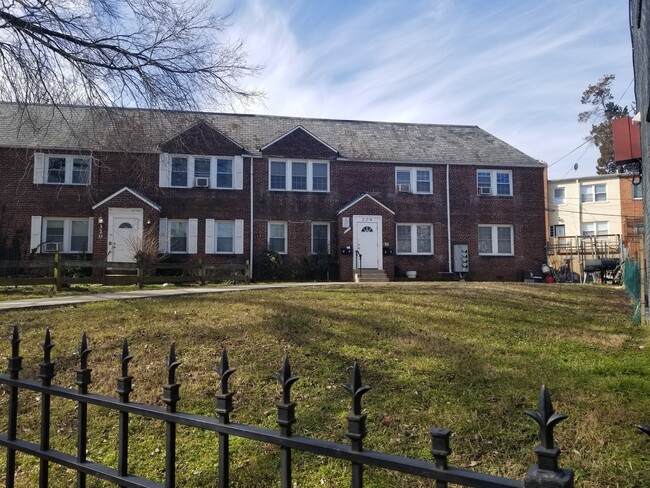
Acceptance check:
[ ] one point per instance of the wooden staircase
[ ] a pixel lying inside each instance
(370, 276)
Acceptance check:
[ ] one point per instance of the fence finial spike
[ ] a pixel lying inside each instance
(84, 350)
(47, 346)
(172, 364)
(224, 371)
(15, 342)
(546, 418)
(356, 388)
(286, 380)
(125, 358)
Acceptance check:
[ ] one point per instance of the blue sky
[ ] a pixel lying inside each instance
(514, 68)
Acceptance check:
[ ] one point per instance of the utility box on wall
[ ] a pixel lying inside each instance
(461, 258)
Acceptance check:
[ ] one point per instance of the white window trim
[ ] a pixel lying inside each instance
(414, 239)
(495, 240)
(493, 181)
(593, 193)
(555, 200)
(39, 234)
(413, 179)
(165, 171)
(42, 164)
(312, 235)
(288, 165)
(594, 224)
(192, 231)
(286, 234)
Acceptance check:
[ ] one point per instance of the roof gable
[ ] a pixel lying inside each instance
(202, 138)
(299, 143)
(359, 199)
(133, 193)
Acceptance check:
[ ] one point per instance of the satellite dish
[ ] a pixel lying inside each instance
(575, 167)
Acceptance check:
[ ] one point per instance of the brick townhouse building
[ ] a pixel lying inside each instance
(225, 187)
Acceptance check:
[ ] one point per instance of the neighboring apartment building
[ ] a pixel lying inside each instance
(225, 187)
(594, 217)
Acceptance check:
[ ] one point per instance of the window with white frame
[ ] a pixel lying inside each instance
(58, 169)
(558, 230)
(277, 232)
(595, 228)
(58, 234)
(559, 196)
(637, 190)
(494, 182)
(414, 239)
(224, 235)
(593, 193)
(178, 236)
(305, 175)
(495, 240)
(320, 237)
(413, 180)
(187, 171)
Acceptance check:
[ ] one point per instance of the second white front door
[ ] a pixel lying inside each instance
(124, 234)
(367, 236)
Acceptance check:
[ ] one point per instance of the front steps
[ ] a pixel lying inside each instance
(370, 276)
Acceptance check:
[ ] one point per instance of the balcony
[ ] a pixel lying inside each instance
(597, 247)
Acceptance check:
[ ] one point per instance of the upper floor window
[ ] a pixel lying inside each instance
(495, 240)
(183, 171)
(637, 191)
(494, 182)
(595, 228)
(413, 180)
(559, 196)
(61, 169)
(593, 193)
(414, 239)
(299, 175)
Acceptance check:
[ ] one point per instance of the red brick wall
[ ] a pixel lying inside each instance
(632, 218)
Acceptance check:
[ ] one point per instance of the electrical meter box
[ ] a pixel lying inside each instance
(461, 258)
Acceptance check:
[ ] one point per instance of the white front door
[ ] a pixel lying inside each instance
(367, 237)
(124, 234)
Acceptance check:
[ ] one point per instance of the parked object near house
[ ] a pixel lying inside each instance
(226, 188)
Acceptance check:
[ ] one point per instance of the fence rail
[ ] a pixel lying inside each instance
(546, 473)
(62, 272)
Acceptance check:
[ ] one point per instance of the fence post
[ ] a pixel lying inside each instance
(57, 272)
(356, 422)
(46, 373)
(171, 398)
(124, 388)
(140, 274)
(202, 272)
(247, 271)
(286, 418)
(440, 450)
(224, 407)
(546, 473)
(83, 380)
(14, 367)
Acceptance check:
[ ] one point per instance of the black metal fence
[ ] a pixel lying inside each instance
(545, 474)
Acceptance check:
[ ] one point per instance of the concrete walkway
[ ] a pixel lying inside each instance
(128, 295)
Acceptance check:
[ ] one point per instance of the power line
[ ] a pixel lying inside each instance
(588, 139)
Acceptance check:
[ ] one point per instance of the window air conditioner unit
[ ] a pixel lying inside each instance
(404, 188)
(484, 190)
(51, 247)
(202, 181)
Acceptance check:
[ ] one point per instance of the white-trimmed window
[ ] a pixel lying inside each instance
(224, 236)
(413, 180)
(495, 240)
(299, 175)
(320, 237)
(187, 171)
(414, 238)
(593, 193)
(62, 234)
(494, 182)
(595, 228)
(277, 232)
(637, 191)
(178, 236)
(61, 169)
(559, 196)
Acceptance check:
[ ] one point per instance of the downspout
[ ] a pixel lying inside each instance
(448, 222)
(250, 240)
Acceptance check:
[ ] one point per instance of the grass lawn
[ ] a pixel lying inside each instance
(467, 356)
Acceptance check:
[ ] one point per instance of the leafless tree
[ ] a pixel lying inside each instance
(166, 54)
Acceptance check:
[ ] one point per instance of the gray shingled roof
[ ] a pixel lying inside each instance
(70, 127)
